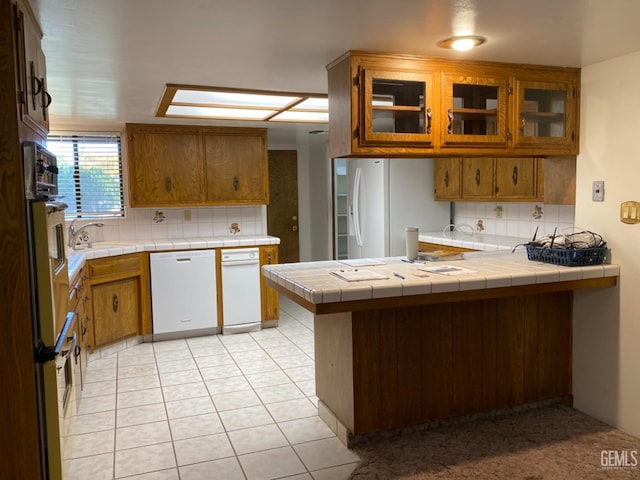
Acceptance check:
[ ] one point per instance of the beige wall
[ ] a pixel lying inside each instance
(607, 323)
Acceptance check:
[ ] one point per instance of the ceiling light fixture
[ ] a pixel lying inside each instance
(188, 101)
(463, 43)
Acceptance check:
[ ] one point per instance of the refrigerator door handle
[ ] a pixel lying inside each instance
(357, 182)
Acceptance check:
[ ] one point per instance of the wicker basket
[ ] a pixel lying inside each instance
(579, 257)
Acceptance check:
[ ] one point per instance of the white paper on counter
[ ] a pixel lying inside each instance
(362, 262)
(356, 275)
(447, 270)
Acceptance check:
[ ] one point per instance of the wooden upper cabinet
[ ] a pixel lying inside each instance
(505, 179)
(477, 178)
(547, 114)
(164, 167)
(516, 178)
(237, 168)
(476, 110)
(173, 165)
(448, 178)
(409, 106)
(397, 108)
(33, 96)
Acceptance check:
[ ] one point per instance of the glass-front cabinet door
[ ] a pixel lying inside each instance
(396, 108)
(546, 114)
(475, 110)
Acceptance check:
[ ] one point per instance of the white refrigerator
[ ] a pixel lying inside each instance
(384, 197)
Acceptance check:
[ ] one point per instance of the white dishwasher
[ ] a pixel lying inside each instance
(241, 311)
(183, 292)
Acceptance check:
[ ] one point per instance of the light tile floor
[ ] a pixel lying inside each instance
(217, 407)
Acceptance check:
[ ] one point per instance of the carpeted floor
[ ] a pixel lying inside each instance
(549, 443)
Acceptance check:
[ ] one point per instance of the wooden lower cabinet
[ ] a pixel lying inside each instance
(429, 247)
(79, 303)
(269, 296)
(115, 305)
(120, 303)
(389, 368)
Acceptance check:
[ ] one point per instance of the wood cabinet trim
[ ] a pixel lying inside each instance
(433, 298)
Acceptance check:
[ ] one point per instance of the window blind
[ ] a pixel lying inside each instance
(89, 174)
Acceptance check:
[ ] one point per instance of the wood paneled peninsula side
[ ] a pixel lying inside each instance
(419, 346)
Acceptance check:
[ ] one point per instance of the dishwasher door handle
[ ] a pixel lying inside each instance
(233, 263)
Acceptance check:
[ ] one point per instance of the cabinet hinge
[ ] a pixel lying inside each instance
(356, 132)
(575, 93)
(356, 81)
(509, 89)
(508, 134)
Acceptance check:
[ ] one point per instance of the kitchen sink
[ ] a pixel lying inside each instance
(97, 245)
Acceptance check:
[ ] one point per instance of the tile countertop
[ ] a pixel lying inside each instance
(475, 241)
(315, 283)
(77, 258)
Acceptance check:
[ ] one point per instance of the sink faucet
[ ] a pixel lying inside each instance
(74, 233)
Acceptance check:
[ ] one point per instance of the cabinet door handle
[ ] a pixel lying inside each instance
(83, 331)
(514, 175)
(36, 86)
(450, 126)
(236, 183)
(167, 184)
(478, 177)
(115, 302)
(269, 259)
(429, 116)
(446, 178)
(46, 101)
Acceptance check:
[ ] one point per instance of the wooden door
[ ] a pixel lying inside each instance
(236, 168)
(115, 310)
(516, 178)
(397, 108)
(282, 212)
(165, 168)
(477, 178)
(547, 114)
(476, 110)
(447, 178)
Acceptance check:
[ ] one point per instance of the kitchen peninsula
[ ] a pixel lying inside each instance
(417, 346)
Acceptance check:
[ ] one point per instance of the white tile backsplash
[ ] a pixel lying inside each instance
(517, 218)
(205, 222)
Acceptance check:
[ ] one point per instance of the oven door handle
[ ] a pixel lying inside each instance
(45, 353)
(72, 343)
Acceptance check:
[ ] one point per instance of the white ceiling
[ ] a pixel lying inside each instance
(108, 60)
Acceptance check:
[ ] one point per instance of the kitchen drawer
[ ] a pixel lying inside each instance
(77, 290)
(121, 266)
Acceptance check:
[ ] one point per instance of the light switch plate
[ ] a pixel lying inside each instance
(597, 191)
(630, 212)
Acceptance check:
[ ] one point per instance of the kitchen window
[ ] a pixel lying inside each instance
(90, 174)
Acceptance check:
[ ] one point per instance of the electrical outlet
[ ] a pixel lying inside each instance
(597, 191)
(186, 214)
